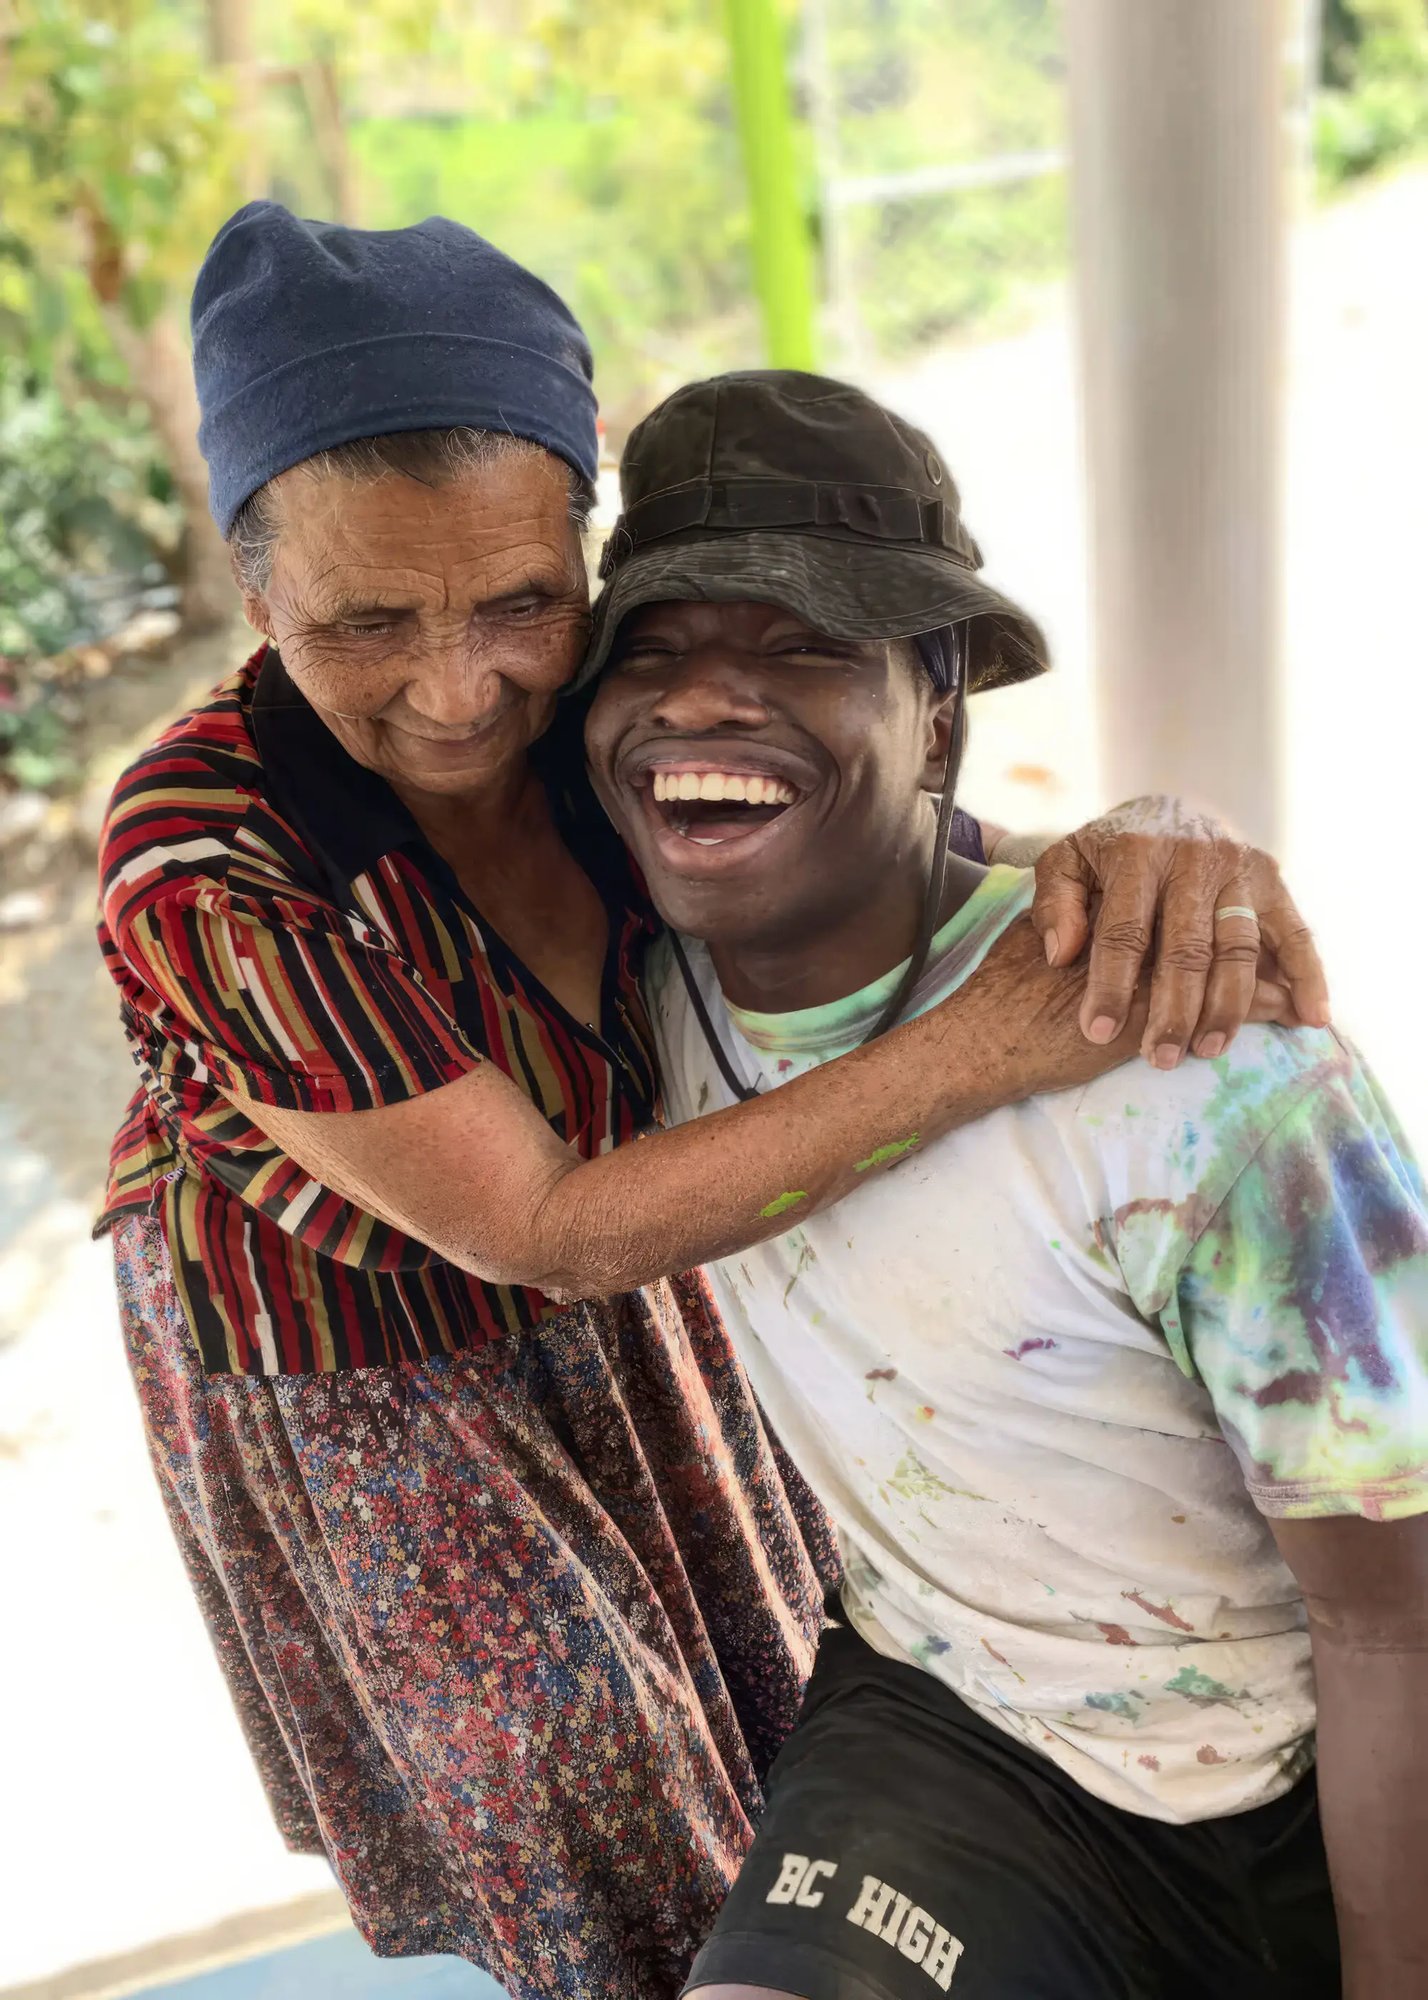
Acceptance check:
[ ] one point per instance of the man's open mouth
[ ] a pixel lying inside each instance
(710, 808)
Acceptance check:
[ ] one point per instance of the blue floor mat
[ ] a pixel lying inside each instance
(340, 1967)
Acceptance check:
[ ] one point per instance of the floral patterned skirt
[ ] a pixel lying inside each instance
(514, 1636)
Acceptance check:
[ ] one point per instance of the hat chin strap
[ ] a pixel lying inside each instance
(937, 878)
(931, 901)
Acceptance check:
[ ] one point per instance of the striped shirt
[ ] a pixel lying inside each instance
(276, 924)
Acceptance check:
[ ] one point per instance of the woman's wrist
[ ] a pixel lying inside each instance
(1020, 850)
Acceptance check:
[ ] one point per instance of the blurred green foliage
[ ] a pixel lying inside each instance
(86, 504)
(604, 157)
(609, 160)
(116, 161)
(1374, 105)
(928, 83)
(83, 495)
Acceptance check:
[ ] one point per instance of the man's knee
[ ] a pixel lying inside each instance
(740, 1993)
(723, 1992)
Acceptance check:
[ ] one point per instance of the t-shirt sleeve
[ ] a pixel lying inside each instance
(291, 1001)
(965, 837)
(1303, 1307)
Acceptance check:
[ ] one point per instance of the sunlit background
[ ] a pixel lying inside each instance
(923, 173)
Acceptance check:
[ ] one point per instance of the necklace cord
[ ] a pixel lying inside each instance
(743, 1091)
(942, 841)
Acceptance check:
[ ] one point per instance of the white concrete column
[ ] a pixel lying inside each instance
(1179, 172)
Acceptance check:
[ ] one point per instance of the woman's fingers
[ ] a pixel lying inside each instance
(1234, 971)
(1153, 869)
(1185, 960)
(1121, 940)
(1297, 960)
(1061, 911)
(1151, 858)
(1273, 1005)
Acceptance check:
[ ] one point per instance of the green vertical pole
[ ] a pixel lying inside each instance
(778, 226)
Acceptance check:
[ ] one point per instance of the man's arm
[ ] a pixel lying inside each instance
(1303, 1308)
(1365, 1584)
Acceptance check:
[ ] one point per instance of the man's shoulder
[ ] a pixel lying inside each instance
(679, 1046)
(665, 998)
(1164, 1148)
(658, 968)
(1259, 1077)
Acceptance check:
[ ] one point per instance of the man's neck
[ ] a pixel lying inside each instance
(839, 953)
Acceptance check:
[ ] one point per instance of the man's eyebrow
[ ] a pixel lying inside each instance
(796, 629)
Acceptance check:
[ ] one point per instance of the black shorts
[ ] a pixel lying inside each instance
(909, 1848)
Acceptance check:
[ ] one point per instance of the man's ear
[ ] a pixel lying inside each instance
(941, 719)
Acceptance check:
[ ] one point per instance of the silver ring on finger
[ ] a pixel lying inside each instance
(1223, 915)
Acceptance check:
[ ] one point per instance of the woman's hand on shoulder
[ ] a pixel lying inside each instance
(1023, 1017)
(1157, 886)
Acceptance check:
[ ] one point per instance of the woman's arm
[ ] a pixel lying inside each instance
(474, 1171)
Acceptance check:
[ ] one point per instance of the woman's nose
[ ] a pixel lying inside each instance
(706, 690)
(455, 689)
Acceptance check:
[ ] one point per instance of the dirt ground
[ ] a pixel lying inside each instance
(57, 1011)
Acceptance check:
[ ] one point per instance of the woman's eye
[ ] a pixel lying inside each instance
(364, 628)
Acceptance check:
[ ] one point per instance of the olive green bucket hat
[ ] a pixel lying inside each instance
(791, 489)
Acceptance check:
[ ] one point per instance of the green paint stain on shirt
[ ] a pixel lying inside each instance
(1199, 1687)
(805, 1258)
(894, 1150)
(1116, 1703)
(781, 1204)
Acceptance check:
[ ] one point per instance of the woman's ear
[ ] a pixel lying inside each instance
(255, 607)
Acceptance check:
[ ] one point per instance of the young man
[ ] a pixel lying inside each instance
(1119, 1398)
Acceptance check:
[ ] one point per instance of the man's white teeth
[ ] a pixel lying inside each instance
(717, 785)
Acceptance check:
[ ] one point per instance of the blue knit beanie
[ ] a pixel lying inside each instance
(307, 335)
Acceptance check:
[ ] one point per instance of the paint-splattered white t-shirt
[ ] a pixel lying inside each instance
(1050, 1373)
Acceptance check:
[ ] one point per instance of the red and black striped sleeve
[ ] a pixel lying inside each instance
(268, 990)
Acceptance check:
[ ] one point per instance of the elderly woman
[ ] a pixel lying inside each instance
(515, 1596)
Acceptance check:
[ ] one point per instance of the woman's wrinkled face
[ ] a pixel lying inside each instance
(431, 627)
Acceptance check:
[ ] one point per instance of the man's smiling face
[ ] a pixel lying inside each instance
(768, 779)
